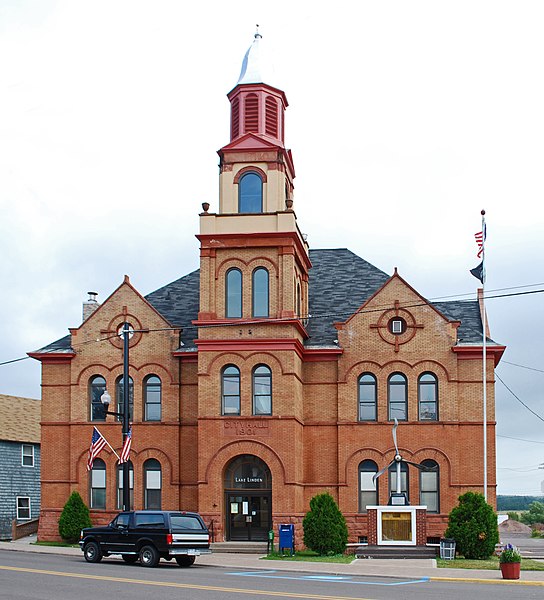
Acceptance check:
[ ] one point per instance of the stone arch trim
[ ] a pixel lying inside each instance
(217, 463)
(232, 262)
(358, 368)
(240, 361)
(263, 262)
(431, 366)
(250, 169)
(230, 358)
(353, 461)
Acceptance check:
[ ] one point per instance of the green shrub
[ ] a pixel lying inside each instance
(325, 529)
(74, 517)
(514, 516)
(473, 525)
(535, 514)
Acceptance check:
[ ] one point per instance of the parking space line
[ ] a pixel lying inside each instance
(325, 578)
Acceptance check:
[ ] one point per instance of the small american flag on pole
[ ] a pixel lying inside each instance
(125, 452)
(480, 239)
(98, 441)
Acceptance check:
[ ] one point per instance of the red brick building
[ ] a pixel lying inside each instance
(272, 373)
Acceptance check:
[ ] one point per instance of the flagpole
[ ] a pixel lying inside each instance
(109, 445)
(484, 356)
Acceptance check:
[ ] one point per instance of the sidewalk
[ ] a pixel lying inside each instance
(403, 569)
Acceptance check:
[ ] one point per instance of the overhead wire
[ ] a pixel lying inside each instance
(337, 315)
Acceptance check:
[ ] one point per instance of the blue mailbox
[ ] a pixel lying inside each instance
(287, 538)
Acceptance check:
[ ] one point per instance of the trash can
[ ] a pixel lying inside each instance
(447, 549)
(286, 538)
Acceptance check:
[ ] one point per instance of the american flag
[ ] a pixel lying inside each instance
(125, 452)
(480, 239)
(98, 442)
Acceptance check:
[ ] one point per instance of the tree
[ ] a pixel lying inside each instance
(74, 517)
(325, 529)
(473, 525)
(535, 514)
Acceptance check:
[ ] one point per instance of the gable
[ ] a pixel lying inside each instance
(250, 141)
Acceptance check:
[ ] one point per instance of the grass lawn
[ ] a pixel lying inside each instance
(309, 556)
(57, 544)
(490, 564)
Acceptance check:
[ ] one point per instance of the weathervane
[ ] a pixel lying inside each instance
(399, 497)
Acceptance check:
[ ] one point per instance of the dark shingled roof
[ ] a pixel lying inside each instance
(178, 303)
(468, 312)
(340, 282)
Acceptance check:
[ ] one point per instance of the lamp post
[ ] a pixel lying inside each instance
(125, 415)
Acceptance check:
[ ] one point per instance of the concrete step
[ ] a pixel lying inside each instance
(396, 552)
(240, 547)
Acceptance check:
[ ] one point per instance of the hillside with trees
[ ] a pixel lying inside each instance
(505, 503)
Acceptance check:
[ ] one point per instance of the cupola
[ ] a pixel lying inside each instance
(256, 107)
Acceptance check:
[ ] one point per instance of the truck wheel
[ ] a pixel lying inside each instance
(130, 558)
(185, 561)
(92, 552)
(149, 557)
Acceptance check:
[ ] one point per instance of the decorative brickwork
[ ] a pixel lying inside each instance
(313, 440)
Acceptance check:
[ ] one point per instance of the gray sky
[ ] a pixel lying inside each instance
(405, 120)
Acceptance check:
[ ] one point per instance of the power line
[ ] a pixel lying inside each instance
(519, 439)
(522, 366)
(519, 399)
(7, 362)
(337, 315)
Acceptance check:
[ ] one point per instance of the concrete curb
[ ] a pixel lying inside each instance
(407, 569)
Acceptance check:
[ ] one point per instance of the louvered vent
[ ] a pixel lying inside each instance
(252, 114)
(235, 120)
(271, 117)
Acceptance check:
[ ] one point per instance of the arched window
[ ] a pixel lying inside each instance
(367, 397)
(233, 292)
(427, 393)
(230, 391)
(152, 484)
(98, 484)
(120, 485)
(397, 394)
(250, 193)
(403, 479)
(97, 386)
(152, 398)
(262, 390)
(119, 387)
(260, 293)
(368, 490)
(429, 488)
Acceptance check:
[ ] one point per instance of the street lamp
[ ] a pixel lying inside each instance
(125, 415)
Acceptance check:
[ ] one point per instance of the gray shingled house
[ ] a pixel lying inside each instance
(19, 462)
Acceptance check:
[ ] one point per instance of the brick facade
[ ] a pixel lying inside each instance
(313, 440)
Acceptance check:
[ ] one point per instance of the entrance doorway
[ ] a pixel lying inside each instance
(248, 499)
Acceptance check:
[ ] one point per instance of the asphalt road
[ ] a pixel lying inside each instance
(25, 576)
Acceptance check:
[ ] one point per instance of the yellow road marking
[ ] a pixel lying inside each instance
(491, 581)
(209, 588)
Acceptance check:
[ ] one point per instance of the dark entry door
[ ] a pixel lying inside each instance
(249, 516)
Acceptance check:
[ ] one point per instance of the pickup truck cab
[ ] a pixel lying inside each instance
(148, 536)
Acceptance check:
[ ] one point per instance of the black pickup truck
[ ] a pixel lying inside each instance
(148, 535)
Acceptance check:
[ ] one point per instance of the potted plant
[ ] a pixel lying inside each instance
(510, 562)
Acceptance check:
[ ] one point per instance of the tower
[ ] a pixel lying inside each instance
(254, 265)
(253, 258)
